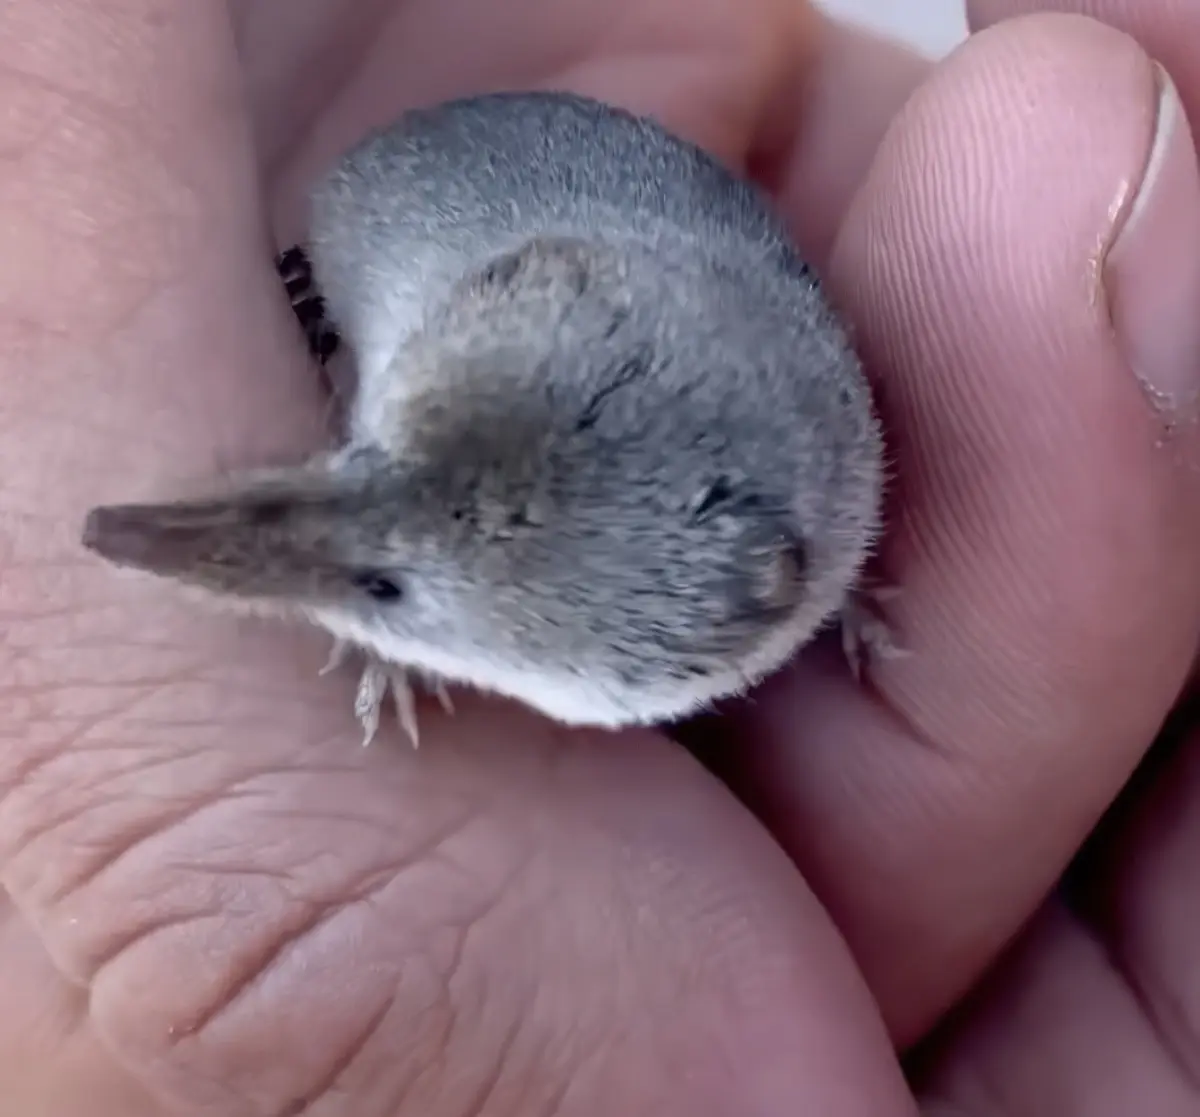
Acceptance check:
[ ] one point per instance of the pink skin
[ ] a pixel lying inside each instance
(219, 904)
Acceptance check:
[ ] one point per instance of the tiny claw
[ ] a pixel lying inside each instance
(406, 705)
(443, 697)
(368, 700)
(377, 679)
(338, 655)
(864, 633)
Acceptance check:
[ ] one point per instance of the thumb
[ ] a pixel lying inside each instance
(1021, 267)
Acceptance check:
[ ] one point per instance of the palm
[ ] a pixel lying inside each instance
(348, 866)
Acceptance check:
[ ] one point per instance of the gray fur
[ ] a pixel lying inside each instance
(608, 439)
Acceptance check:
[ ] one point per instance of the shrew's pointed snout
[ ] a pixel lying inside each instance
(257, 541)
(153, 537)
(287, 535)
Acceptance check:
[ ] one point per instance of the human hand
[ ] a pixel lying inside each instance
(220, 904)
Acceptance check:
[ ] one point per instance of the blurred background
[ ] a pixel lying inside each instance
(934, 26)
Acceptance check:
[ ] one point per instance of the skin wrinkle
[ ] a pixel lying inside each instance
(163, 690)
(111, 854)
(438, 1030)
(88, 653)
(342, 1057)
(523, 1092)
(225, 797)
(424, 1080)
(346, 886)
(384, 878)
(492, 1079)
(570, 1051)
(22, 775)
(327, 1087)
(23, 703)
(105, 854)
(279, 952)
(30, 834)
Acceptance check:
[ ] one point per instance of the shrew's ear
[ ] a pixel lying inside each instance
(278, 535)
(563, 261)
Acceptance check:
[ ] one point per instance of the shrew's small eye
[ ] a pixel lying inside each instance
(378, 587)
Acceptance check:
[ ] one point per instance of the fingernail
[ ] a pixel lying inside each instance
(1152, 271)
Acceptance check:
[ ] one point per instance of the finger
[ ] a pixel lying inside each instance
(1059, 1021)
(820, 133)
(1133, 888)
(1021, 270)
(797, 99)
(1100, 1002)
(712, 71)
(266, 917)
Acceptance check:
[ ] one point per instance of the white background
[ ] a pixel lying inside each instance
(935, 26)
